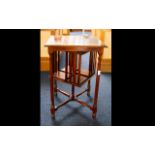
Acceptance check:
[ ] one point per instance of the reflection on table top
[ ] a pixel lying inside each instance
(74, 41)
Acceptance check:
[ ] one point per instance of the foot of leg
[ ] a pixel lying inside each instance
(52, 112)
(94, 115)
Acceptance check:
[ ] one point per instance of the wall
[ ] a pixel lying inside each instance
(105, 36)
(44, 35)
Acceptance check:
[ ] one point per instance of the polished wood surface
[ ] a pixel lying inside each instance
(72, 73)
(74, 41)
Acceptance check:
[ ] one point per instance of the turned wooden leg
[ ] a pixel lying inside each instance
(52, 109)
(97, 85)
(74, 67)
(55, 66)
(88, 86)
(58, 60)
(79, 68)
(66, 66)
(55, 87)
(96, 95)
(73, 74)
(90, 63)
(70, 67)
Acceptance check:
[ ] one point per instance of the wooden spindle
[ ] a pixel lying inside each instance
(79, 68)
(66, 66)
(58, 60)
(74, 67)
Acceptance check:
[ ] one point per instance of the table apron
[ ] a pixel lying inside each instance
(73, 49)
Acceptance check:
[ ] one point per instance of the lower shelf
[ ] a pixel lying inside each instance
(68, 78)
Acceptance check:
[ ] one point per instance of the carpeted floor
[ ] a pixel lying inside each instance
(73, 114)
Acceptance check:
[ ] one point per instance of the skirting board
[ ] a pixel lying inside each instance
(44, 65)
(106, 66)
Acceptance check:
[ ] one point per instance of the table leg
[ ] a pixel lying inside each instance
(58, 60)
(55, 87)
(52, 85)
(90, 72)
(97, 84)
(79, 68)
(74, 67)
(70, 67)
(56, 68)
(88, 86)
(73, 71)
(66, 66)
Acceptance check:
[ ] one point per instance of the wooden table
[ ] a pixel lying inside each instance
(73, 45)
